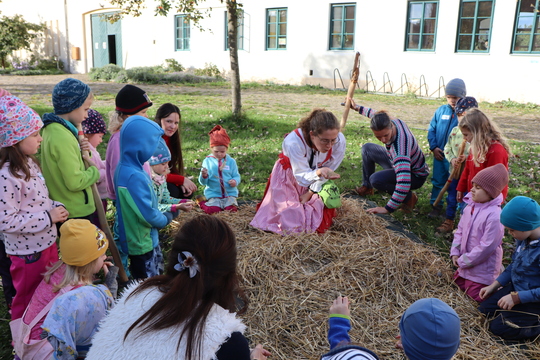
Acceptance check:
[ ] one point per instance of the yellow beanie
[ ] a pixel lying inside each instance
(81, 242)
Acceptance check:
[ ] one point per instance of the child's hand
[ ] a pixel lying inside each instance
(438, 154)
(459, 196)
(454, 260)
(305, 197)
(58, 214)
(506, 302)
(232, 183)
(488, 290)
(204, 173)
(460, 159)
(259, 353)
(340, 306)
(84, 144)
(185, 206)
(88, 160)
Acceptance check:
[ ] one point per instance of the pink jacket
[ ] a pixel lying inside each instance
(478, 241)
(100, 164)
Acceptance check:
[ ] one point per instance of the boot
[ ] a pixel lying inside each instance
(446, 227)
(435, 211)
(409, 205)
(364, 190)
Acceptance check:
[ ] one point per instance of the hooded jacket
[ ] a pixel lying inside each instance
(440, 127)
(478, 241)
(137, 207)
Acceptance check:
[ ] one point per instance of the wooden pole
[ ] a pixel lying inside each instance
(103, 221)
(350, 92)
(456, 173)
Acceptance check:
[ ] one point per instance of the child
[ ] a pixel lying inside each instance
(94, 129)
(477, 247)
(514, 309)
(28, 215)
(451, 153)
(160, 168)
(137, 208)
(429, 328)
(442, 123)
(63, 168)
(219, 175)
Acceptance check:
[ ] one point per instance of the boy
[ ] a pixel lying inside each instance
(65, 174)
(219, 175)
(442, 123)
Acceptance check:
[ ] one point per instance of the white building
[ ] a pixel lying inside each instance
(405, 45)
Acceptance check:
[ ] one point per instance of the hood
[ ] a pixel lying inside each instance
(139, 138)
(469, 201)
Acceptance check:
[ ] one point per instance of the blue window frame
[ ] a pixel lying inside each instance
(182, 33)
(474, 27)
(421, 25)
(276, 29)
(527, 28)
(240, 33)
(342, 18)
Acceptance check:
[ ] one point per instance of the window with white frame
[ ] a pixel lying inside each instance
(182, 33)
(342, 18)
(474, 28)
(527, 27)
(421, 25)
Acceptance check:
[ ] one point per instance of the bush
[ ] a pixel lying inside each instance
(173, 65)
(47, 64)
(209, 70)
(105, 73)
(37, 72)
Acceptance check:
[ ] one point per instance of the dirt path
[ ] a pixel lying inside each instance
(516, 124)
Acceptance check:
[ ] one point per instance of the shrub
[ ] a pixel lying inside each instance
(173, 65)
(209, 70)
(106, 73)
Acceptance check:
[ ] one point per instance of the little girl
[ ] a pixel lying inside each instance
(488, 147)
(159, 162)
(94, 129)
(477, 246)
(219, 175)
(28, 215)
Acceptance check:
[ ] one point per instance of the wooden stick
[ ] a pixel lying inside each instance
(103, 221)
(456, 173)
(350, 92)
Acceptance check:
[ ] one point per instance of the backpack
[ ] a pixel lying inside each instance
(330, 195)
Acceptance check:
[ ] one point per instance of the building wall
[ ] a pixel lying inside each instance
(379, 37)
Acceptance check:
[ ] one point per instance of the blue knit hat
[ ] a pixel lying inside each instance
(456, 87)
(521, 213)
(430, 330)
(465, 103)
(68, 95)
(161, 155)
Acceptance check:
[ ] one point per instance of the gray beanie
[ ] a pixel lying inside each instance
(456, 87)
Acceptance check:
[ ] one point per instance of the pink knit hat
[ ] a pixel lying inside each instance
(17, 121)
(492, 179)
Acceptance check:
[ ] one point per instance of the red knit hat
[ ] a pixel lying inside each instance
(492, 179)
(219, 137)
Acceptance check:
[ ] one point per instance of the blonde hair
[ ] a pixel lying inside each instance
(74, 275)
(484, 132)
(116, 119)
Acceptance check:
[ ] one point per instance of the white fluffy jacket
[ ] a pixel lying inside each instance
(108, 342)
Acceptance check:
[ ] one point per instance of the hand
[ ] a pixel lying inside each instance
(259, 353)
(454, 260)
(454, 162)
(58, 214)
(88, 160)
(377, 210)
(488, 290)
(438, 153)
(106, 266)
(460, 159)
(340, 306)
(84, 144)
(327, 173)
(399, 344)
(305, 197)
(459, 196)
(232, 183)
(185, 206)
(204, 173)
(189, 187)
(506, 302)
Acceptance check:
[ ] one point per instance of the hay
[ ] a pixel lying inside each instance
(291, 281)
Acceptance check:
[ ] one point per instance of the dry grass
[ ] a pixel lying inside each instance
(291, 281)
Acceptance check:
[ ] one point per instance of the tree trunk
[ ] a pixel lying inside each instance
(232, 27)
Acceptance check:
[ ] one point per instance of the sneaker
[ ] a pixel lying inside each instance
(435, 212)
(446, 227)
(409, 205)
(364, 190)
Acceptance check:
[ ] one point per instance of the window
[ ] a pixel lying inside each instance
(240, 33)
(474, 28)
(342, 26)
(527, 28)
(182, 33)
(421, 25)
(276, 29)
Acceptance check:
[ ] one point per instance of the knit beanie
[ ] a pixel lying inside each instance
(430, 330)
(81, 242)
(94, 123)
(219, 137)
(161, 155)
(465, 103)
(456, 87)
(492, 179)
(68, 95)
(17, 121)
(131, 99)
(521, 214)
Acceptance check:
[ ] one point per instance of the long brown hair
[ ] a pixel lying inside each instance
(188, 300)
(19, 163)
(175, 143)
(318, 121)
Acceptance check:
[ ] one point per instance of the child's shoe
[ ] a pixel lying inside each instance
(435, 212)
(446, 227)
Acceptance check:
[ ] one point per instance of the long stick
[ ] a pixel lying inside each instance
(103, 221)
(350, 92)
(456, 173)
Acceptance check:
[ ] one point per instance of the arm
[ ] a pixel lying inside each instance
(235, 175)
(432, 131)
(338, 153)
(455, 249)
(402, 167)
(175, 179)
(451, 147)
(339, 322)
(464, 178)
(295, 150)
(205, 165)
(490, 241)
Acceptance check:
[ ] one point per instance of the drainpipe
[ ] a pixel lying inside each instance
(68, 60)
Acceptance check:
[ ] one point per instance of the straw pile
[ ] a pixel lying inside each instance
(292, 280)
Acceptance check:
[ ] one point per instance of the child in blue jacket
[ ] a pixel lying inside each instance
(442, 123)
(219, 175)
(138, 215)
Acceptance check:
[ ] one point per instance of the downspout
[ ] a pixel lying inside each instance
(68, 60)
